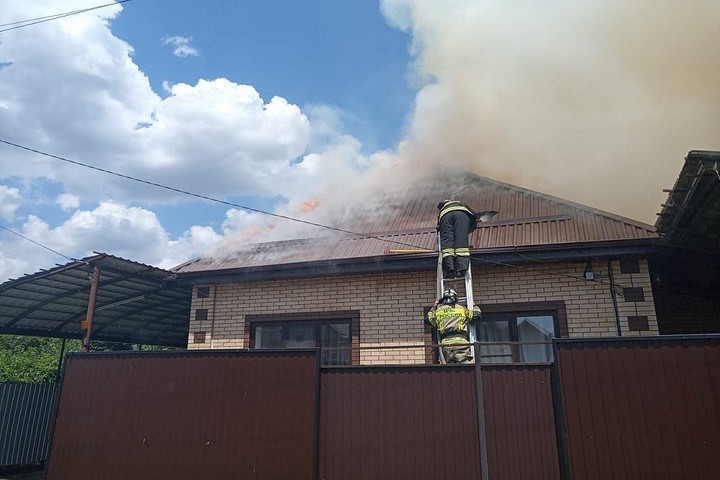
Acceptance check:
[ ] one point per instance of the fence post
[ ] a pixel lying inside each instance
(482, 436)
(316, 415)
(563, 441)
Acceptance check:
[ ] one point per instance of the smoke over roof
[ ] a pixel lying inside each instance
(594, 102)
(597, 102)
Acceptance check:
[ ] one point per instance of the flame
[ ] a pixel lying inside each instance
(309, 205)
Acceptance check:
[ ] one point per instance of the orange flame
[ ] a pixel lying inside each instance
(309, 205)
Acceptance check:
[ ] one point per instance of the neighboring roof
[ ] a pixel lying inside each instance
(690, 218)
(527, 220)
(135, 303)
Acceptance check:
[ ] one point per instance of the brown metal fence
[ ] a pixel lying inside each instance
(642, 408)
(398, 422)
(520, 422)
(422, 423)
(210, 414)
(608, 408)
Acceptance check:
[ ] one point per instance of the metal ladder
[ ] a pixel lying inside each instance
(465, 297)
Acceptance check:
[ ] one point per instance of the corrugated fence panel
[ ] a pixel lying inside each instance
(398, 423)
(642, 409)
(205, 414)
(25, 410)
(520, 423)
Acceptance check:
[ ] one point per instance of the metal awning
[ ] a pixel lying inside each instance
(690, 218)
(135, 303)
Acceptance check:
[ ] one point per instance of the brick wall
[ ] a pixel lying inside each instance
(391, 305)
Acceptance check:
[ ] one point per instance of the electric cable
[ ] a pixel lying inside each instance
(48, 18)
(208, 198)
(286, 217)
(38, 243)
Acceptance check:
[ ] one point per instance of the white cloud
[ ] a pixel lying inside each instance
(73, 90)
(181, 46)
(67, 201)
(129, 232)
(10, 200)
(220, 138)
(192, 243)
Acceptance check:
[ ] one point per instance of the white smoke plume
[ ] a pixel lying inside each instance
(596, 102)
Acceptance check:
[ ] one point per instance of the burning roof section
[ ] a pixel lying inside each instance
(403, 222)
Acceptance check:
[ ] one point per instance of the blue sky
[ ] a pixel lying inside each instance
(309, 52)
(307, 108)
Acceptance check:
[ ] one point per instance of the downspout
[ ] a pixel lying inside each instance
(618, 330)
(94, 279)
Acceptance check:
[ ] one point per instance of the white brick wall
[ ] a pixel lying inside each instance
(391, 305)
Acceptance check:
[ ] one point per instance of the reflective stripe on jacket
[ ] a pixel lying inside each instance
(454, 205)
(451, 320)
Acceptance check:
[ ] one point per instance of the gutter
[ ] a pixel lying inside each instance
(421, 262)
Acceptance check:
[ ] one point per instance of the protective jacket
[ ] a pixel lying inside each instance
(452, 321)
(455, 222)
(452, 206)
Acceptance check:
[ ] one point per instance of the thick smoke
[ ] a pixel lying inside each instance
(596, 102)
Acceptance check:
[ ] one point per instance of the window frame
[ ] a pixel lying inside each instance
(352, 317)
(512, 311)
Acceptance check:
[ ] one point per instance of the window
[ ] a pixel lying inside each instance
(526, 326)
(332, 336)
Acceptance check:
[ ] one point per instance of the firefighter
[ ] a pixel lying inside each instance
(451, 321)
(455, 222)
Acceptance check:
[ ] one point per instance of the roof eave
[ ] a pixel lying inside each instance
(423, 261)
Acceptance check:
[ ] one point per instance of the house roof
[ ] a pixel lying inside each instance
(690, 217)
(135, 303)
(402, 224)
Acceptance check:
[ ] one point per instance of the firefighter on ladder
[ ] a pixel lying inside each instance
(451, 321)
(455, 222)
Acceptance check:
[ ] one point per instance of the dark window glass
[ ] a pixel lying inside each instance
(494, 331)
(203, 292)
(267, 336)
(333, 338)
(516, 337)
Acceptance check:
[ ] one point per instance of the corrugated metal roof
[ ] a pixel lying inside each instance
(406, 221)
(135, 303)
(690, 217)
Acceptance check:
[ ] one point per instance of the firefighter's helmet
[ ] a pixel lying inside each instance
(443, 203)
(450, 295)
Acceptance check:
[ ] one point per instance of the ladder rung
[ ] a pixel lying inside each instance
(457, 279)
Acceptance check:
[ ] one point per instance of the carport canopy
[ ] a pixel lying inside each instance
(135, 303)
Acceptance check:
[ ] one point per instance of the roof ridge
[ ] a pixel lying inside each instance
(563, 201)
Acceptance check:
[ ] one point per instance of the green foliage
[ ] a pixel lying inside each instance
(36, 359)
(31, 359)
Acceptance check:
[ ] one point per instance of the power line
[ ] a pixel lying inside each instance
(276, 215)
(37, 243)
(205, 197)
(47, 18)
